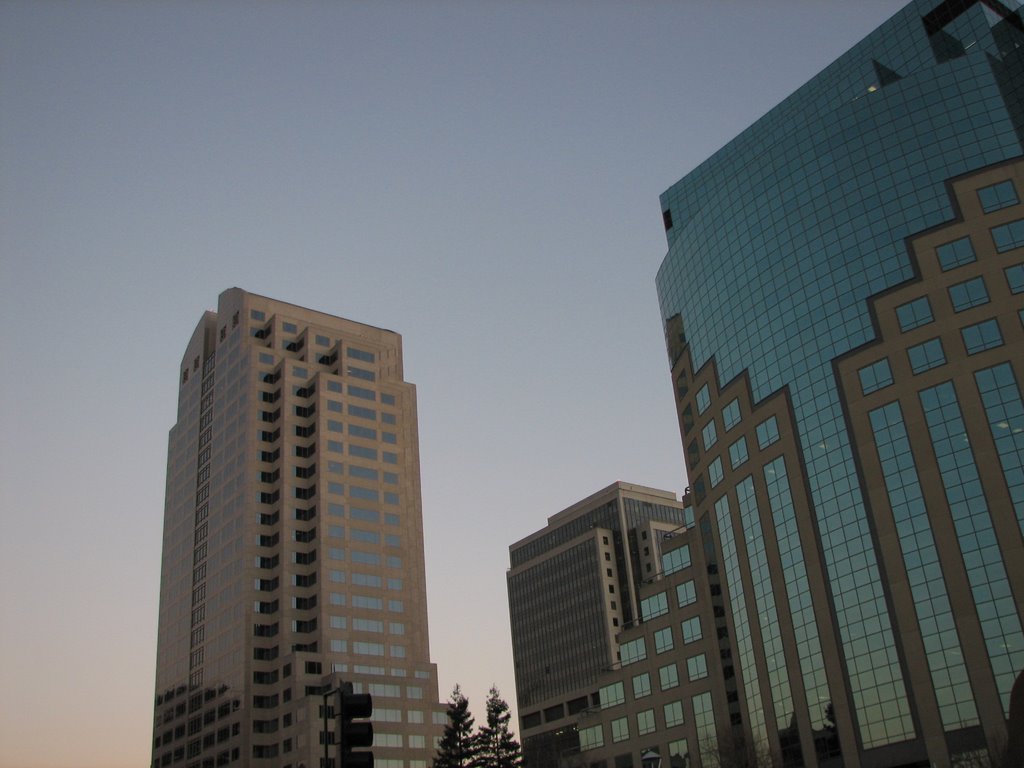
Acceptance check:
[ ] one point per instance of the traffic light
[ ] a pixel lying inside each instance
(354, 734)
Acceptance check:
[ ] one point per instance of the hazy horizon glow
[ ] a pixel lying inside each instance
(482, 178)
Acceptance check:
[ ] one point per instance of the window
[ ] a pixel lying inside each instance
(362, 392)
(362, 413)
(591, 738)
(358, 354)
(955, 254)
(968, 294)
(642, 685)
(361, 373)
(767, 432)
(668, 676)
(709, 434)
(715, 472)
(663, 640)
(923, 357)
(738, 452)
(678, 752)
(1015, 278)
(633, 651)
(914, 314)
(731, 414)
(367, 625)
(367, 649)
(387, 399)
(1008, 236)
(370, 537)
(697, 667)
(366, 473)
(686, 593)
(703, 399)
(691, 629)
(676, 559)
(673, 714)
(362, 452)
(997, 196)
(645, 722)
(365, 432)
(620, 729)
(982, 336)
(875, 376)
(612, 695)
(653, 606)
(366, 558)
(255, 314)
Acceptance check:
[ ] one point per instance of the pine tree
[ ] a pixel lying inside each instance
(458, 745)
(496, 745)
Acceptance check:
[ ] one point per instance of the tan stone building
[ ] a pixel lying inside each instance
(573, 587)
(293, 543)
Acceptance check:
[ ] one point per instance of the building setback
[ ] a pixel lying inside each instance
(842, 298)
(293, 543)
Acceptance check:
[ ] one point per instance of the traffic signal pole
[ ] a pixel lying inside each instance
(350, 706)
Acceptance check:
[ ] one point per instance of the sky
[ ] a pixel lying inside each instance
(481, 177)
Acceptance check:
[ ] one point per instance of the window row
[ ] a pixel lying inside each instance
(931, 354)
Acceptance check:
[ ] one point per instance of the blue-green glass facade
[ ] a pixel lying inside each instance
(920, 555)
(986, 571)
(743, 641)
(777, 241)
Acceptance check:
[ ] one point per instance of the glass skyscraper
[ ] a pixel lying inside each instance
(841, 296)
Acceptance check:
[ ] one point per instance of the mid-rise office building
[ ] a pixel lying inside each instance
(293, 544)
(842, 300)
(573, 586)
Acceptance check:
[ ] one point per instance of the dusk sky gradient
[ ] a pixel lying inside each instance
(481, 177)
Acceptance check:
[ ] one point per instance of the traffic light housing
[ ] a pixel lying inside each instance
(351, 735)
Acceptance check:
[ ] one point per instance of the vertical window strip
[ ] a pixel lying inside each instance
(704, 725)
(812, 664)
(983, 560)
(741, 623)
(924, 574)
(764, 597)
(1000, 395)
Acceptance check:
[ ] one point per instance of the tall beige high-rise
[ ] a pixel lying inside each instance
(293, 543)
